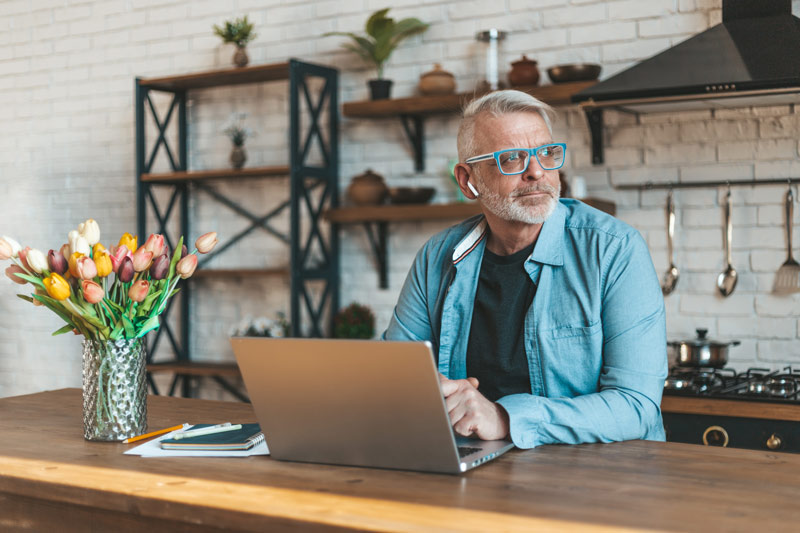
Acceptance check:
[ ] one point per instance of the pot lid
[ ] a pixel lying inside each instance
(437, 71)
(524, 61)
(701, 340)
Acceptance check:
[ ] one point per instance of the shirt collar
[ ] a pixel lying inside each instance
(549, 247)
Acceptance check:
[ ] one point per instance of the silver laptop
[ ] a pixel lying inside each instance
(355, 402)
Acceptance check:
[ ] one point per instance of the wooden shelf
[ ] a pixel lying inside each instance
(225, 173)
(556, 94)
(216, 78)
(208, 273)
(399, 213)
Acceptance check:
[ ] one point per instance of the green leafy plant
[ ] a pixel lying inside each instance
(382, 36)
(238, 32)
(355, 321)
(236, 131)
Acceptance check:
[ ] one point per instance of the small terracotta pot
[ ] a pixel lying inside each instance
(367, 189)
(240, 58)
(437, 81)
(524, 72)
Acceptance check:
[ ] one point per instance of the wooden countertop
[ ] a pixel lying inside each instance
(50, 478)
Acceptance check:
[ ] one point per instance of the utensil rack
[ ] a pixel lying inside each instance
(704, 184)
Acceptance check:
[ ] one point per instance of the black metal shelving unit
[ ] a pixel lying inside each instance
(311, 87)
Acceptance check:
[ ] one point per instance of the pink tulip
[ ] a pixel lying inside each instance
(6, 250)
(12, 272)
(117, 253)
(139, 290)
(23, 257)
(56, 262)
(86, 268)
(206, 242)
(160, 267)
(125, 272)
(142, 259)
(186, 266)
(92, 292)
(155, 244)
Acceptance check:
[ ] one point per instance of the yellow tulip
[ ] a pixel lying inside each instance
(56, 286)
(96, 249)
(73, 264)
(103, 262)
(129, 241)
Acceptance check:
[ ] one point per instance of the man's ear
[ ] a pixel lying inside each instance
(463, 174)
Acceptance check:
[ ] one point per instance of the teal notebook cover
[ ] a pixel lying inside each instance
(239, 439)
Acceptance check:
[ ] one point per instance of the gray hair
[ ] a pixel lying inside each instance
(498, 103)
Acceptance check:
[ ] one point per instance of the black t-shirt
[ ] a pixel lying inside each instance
(496, 349)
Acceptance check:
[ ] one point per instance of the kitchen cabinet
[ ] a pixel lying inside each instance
(313, 188)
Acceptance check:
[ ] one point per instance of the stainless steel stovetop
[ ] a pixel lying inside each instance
(754, 384)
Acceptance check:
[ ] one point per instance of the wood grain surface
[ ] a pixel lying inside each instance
(48, 470)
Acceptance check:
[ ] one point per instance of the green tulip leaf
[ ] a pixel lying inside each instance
(150, 324)
(64, 329)
(26, 298)
(31, 279)
(130, 330)
(176, 256)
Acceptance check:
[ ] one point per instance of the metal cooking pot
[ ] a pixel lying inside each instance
(701, 352)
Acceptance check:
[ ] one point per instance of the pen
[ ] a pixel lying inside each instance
(152, 434)
(207, 431)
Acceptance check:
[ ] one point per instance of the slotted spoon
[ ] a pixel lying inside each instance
(787, 279)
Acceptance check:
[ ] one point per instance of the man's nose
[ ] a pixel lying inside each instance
(534, 170)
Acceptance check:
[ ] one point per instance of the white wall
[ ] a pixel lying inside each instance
(67, 150)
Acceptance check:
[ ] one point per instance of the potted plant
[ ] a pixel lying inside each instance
(355, 321)
(238, 32)
(237, 133)
(382, 35)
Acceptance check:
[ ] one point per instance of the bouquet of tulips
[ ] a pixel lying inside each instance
(75, 281)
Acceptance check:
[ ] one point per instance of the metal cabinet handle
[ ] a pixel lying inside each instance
(774, 442)
(715, 428)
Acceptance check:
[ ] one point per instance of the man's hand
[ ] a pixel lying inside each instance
(470, 411)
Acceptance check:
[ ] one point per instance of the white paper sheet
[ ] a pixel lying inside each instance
(152, 448)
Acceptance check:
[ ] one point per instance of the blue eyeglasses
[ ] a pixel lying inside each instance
(516, 160)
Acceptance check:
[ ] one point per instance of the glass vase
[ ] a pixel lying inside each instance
(114, 389)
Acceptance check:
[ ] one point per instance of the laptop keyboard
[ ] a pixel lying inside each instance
(463, 451)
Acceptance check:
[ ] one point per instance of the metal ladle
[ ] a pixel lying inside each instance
(671, 276)
(726, 281)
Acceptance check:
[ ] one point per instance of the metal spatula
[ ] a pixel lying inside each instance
(787, 279)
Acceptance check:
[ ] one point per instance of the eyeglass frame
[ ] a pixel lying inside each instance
(531, 152)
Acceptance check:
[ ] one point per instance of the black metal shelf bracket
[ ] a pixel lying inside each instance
(594, 117)
(380, 249)
(414, 126)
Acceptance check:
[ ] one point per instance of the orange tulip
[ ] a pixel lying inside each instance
(92, 292)
(12, 272)
(186, 266)
(138, 291)
(142, 259)
(205, 243)
(155, 244)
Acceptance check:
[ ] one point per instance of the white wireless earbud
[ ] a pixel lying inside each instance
(474, 191)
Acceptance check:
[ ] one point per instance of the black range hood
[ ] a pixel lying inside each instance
(751, 58)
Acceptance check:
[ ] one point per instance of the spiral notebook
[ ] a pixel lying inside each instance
(241, 439)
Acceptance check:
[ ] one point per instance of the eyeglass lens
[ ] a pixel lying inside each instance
(550, 157)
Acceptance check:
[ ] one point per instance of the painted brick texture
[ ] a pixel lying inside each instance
(67, 151)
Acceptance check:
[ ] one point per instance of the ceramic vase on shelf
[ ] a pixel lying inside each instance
(238, 157)
(240, 58)
(367, 189)
(437, 81)
(114, 389)
(524, 72)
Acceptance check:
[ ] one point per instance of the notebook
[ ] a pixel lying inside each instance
(240, 439)
(355, 402)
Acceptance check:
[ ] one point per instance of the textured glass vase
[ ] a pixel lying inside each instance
(114, 389)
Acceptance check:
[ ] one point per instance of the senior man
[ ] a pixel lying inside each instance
(546, 315)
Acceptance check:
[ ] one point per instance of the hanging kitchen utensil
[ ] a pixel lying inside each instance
(671, 276)
(787, 279)
(727, 279)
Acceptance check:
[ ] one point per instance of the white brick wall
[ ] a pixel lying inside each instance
(67, 152)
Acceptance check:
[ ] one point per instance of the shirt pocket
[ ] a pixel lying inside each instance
(572, 359)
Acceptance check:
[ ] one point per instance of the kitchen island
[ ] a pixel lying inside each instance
(52, 479)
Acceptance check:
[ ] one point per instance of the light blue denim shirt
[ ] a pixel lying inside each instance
(595, 335)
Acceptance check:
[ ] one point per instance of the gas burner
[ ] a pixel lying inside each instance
(760, 383)
(695, 380)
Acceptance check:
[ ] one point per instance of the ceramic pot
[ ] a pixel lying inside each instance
(240, 58)
(524, 72)
(437, 81)
(367, 189)
(380, 89)
(238, 156)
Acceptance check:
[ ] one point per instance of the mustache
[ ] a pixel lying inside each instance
(549, 189)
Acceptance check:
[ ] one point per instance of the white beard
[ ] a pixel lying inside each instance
(516, 208)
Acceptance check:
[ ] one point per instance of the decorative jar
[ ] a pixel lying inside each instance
(524, 72)
(437, 81)
(367, 189)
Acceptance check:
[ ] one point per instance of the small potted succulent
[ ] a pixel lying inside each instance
(238, 32)
(381, 37)
(355, 321)
(237, 133)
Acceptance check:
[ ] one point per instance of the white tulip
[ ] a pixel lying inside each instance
(37, 260)
(15, 247)
(90, 230)
(78, 243)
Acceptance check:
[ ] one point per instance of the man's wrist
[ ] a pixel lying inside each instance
(503, 420)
